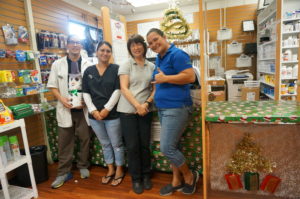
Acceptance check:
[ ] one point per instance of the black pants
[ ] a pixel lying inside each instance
(137, 133)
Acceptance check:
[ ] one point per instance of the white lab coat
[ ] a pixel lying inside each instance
(59, 79)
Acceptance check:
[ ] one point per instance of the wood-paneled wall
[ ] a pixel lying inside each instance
(51, 15)
(234, 17)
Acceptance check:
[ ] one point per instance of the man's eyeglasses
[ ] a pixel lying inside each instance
(74, 42)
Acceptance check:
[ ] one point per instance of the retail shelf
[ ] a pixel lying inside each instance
(8, 97)
(291, 32)
(266, 59)
(289, 47)
(288, 20)
(267, 43)
(18, 192)
(289, 62)
(268, 84)
(267, 17)
(267, 27)
(267, 72)
(288, 95)
(294, 78)
(268, 95)
(14, 164)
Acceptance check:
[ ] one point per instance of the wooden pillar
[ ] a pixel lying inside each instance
(106, 24)
(278, 51)
(298, 81)
(203, 99)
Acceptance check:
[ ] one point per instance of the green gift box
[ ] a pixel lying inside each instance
(251, 181)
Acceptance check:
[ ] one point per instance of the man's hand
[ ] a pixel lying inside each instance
(66, 102)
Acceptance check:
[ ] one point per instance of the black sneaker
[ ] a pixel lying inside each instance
(147, 183)
(190, 189)
(169, 189)
(137, 187)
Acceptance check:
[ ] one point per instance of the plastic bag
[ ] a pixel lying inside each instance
(243, 61)
(234, 48)
(224, 34)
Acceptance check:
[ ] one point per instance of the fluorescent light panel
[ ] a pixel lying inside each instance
(140, 3)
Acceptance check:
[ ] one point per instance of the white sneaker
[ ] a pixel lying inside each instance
(84, 173)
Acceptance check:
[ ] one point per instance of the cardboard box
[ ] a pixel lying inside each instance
(217, 96)
(250, 94)
(216, 82)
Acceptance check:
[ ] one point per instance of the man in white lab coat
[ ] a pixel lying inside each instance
(71, 113)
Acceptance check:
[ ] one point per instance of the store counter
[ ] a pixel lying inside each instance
(190, 143)
(275, 128)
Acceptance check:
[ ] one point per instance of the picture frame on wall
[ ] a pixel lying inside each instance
(263, 3)
(267, 2)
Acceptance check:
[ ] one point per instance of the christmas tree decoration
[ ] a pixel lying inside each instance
(270, 183)
(233, 181)
(251, 181)
(174, 25)
(248, 158)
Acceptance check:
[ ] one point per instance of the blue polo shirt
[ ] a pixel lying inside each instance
(172, 95)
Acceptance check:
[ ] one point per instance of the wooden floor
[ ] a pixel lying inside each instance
(91, 188)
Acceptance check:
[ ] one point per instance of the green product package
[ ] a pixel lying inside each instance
(2, 141)
(251, 181)
(21, 110)
(13, 140)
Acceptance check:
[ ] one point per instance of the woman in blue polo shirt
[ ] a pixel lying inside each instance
(101, 92)
(172, 97)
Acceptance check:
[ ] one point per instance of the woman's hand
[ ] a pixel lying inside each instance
(142, 109)
(96, 115)
(104, 113)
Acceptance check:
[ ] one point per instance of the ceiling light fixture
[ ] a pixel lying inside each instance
(90, 2)
(139, 3)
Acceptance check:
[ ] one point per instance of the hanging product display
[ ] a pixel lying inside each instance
(2, 53)
(234, 48)
(224, 34)
(9, 35)
(174, 25)
(20, 56)
(5, 114)
(23, 34)
(243, 61)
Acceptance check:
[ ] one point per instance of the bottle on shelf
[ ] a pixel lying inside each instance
(283, 72)
(7, 150)
(295, 71)
(291, 88)
(2, 152)
(14, 145)
(289, 72)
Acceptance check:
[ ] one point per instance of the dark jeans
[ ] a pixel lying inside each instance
(137, 132)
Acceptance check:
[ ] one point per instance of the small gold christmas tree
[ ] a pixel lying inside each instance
(174, 25)
(248, 158)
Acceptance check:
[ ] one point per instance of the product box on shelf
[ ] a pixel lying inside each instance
(250, 94)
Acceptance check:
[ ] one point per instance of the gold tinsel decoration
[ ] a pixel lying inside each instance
(174, 25)
(248, 158)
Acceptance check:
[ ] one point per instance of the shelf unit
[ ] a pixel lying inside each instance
(272, 55)
(15, 192)
(289, 34)
(266, 50)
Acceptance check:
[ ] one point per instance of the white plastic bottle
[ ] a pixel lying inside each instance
(7, 148)
(289, 72)
(2, 152)
(295, 71)
(14, 145)
(283, 72)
